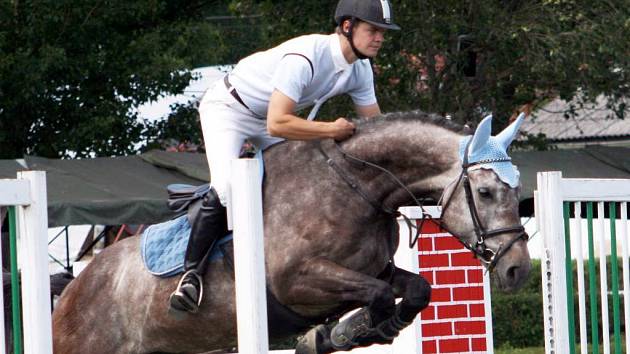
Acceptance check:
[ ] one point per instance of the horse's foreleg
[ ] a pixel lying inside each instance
(323, 283)
(416, 294)
(364, 329)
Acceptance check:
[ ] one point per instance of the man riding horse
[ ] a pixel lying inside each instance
(258, 101)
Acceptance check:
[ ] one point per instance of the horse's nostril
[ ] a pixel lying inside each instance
(512, 273)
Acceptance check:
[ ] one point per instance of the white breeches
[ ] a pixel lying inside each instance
(226, 124)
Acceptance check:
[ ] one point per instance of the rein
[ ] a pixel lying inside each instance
(379, 207)
(483, 252)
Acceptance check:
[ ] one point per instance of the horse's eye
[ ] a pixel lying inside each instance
(484, 192)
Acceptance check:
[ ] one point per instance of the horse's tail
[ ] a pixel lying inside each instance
(58, 282)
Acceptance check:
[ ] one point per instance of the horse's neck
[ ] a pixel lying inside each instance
(425, 158)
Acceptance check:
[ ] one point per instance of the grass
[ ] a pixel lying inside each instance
(531, 350)
(541, 350)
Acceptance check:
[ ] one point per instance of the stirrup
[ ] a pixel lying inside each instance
(180, 301)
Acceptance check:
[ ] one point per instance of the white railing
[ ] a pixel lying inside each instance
(28, 194)
(553, 192)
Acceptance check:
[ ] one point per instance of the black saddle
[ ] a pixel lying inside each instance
(185, 198)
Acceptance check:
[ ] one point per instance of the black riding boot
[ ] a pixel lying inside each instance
(209, 225)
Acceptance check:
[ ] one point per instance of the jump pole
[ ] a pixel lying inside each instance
(249, 256)
(28, 193)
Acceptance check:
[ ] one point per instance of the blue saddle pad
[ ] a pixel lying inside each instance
(163, 247)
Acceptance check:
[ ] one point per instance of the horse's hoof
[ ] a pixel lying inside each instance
(311, 342)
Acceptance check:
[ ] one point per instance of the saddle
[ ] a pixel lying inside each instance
(186, 198)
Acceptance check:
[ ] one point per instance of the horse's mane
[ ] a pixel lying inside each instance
(416, 115)
(375, 123)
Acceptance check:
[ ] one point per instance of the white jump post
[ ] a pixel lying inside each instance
(249, 257)
(28, 192)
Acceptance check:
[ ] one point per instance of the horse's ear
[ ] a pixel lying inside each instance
(482, 134)
(508, 134)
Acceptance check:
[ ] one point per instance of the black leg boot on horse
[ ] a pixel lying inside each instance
(209, 225)
(369, 325)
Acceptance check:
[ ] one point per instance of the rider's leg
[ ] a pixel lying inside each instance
(209, 225)
(223, 137)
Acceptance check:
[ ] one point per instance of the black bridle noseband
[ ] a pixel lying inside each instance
(485, 254)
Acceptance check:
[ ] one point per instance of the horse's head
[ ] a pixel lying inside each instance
(481, 206)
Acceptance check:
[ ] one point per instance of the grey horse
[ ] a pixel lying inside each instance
(330, 236)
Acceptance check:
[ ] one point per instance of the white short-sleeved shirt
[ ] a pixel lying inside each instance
(305, 69)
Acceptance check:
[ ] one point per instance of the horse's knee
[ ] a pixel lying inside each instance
(383, 301)
(418, 293)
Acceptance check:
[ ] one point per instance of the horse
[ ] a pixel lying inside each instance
(330, 231)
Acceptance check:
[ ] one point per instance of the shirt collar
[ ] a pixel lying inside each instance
(337, 55)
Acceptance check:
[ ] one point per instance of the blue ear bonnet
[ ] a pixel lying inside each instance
(492, 150)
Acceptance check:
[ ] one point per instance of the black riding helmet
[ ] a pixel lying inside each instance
(375, 12)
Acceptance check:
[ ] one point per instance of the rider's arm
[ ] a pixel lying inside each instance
(368, 111)
(281, 122)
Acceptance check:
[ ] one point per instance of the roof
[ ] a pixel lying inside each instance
(593, 161)
(132, 189)
(593, 121)
(111, 191)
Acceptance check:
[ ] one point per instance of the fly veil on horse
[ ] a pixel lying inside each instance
(330, 236)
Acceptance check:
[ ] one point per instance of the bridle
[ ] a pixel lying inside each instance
(480, 249)
(483, 252)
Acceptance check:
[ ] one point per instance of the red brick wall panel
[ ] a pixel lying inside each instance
(479, 344)
(440, 294)
(428, 275)
(452, 311)
(429, 347)
(464, 259)
(433, 260)
(450, 277)
(475, 276)
(454, 345)
(430, 227)
(428, 313)
(425, 244)
(437, 329)
(448, 325)
(477, 310)
(468, 293)
(447, 243)
(470, 327)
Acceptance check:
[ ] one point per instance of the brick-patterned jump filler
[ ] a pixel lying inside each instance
(459, 317)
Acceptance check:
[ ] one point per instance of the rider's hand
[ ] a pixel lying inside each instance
(342, 129)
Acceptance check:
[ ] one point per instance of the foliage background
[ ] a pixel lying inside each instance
(71, 73)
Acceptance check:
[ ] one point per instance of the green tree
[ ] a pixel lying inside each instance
(71, 73)
(467, 58)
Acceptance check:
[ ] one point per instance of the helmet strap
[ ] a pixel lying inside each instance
(350, 36)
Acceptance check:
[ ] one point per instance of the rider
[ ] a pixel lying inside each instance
(257, 101)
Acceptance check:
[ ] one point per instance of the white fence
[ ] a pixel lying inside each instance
(28, 194)
(555, 200)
